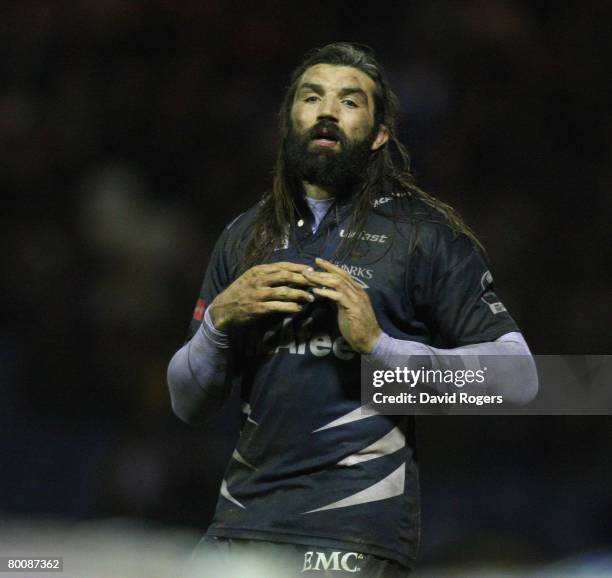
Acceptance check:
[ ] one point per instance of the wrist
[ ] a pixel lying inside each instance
(219, 338)
(371, 342)
(217, 317)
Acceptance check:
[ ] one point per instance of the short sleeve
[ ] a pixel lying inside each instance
(465, 307)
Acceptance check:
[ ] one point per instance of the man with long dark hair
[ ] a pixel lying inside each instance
(344, 257)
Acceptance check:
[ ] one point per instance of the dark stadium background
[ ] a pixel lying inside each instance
(131, 132)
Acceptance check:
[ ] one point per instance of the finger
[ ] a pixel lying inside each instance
(276, 278)
(283, 266)
(337, 270)
(336, 296)
(327, 279)
(279, 307)
(331, 268)
(283, 294)
(339, 284)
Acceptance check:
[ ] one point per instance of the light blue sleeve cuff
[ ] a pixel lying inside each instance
(219, 338)
(386, 346)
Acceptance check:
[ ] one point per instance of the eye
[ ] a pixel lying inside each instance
(350, 103)
(311, 98)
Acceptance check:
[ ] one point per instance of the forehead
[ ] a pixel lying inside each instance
(335, 77)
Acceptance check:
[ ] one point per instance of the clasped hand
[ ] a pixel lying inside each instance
(279, 288)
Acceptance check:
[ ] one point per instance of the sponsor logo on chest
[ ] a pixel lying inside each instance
(364, 236)
(301, 339)
(357, 273)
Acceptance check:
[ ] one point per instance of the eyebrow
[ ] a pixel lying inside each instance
(318, 88)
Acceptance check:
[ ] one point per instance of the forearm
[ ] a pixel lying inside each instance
(197, 374)
(511, 371)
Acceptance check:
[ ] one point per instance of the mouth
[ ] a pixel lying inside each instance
(325, 142)
(325, 138)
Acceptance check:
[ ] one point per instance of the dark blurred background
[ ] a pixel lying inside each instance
(131, 132)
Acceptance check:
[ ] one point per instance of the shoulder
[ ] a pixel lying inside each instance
(429, 227)
(233, 233)
(242, 221)
(236, 230)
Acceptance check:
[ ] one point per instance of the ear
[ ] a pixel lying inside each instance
(381, 138)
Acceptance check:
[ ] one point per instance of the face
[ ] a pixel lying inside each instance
(333, 130)
(341, 94)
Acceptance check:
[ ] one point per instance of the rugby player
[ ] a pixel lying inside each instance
(344, 257)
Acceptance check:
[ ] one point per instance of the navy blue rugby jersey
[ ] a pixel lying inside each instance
(309, 466)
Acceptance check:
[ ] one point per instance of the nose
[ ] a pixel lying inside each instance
(328, 110)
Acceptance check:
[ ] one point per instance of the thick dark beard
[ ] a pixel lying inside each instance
(324, 167)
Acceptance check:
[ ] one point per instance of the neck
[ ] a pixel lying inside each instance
(318, 192)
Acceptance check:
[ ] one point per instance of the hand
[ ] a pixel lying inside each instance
(261, 290)
(356, 318)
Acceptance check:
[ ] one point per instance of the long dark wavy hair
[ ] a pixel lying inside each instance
(388, 168)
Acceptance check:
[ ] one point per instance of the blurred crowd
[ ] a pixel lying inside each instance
(133, 131)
